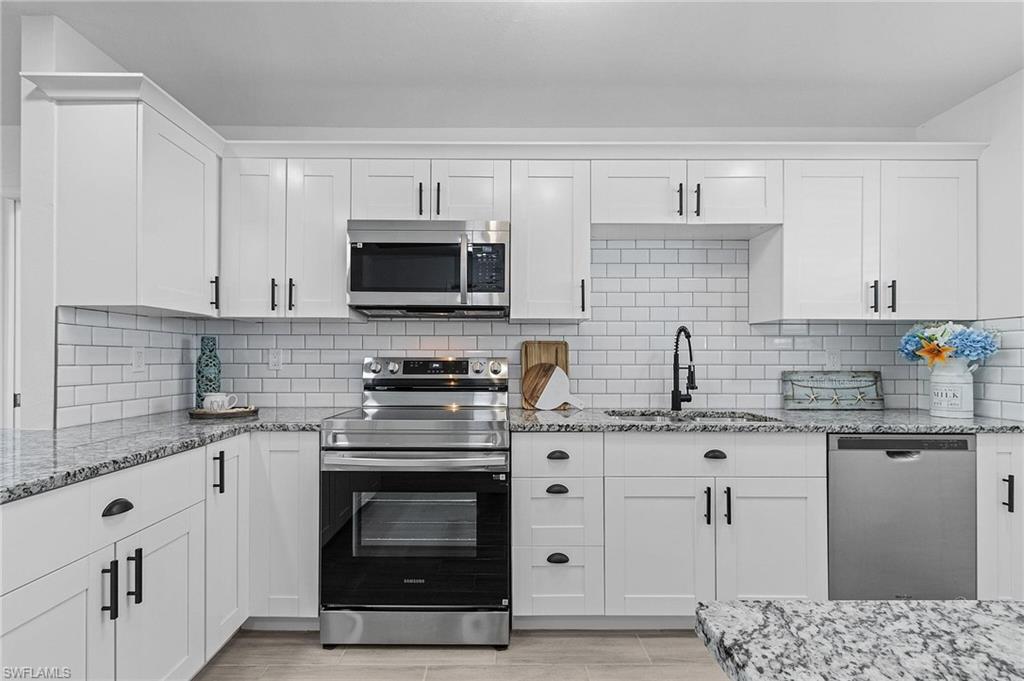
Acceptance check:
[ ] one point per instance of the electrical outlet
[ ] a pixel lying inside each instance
(833, 360)
(138, 360)
(276, 359)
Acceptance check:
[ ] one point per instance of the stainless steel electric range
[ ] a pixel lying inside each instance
(415, 506)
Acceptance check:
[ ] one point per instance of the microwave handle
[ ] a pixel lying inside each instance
(463, 269)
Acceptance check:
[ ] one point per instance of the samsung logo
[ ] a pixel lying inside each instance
(414, 581)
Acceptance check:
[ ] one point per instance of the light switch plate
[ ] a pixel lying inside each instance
(276, 359)
(833, 360)
(138, 360)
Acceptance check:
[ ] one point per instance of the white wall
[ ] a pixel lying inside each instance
(995, 115)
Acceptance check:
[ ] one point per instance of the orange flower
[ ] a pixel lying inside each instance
(933, 352)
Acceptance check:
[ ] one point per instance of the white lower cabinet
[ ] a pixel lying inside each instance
(1001, 516)
(227, 540)
(160, 627)
(285, 520)
(564, 581)
(660, 545)
(771, 538)
(57, 622)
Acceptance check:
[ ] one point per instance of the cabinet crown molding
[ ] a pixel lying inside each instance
(124, 87)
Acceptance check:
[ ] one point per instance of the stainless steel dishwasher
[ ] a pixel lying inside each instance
(902, 517)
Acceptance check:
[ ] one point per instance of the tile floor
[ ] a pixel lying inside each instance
(532, 656)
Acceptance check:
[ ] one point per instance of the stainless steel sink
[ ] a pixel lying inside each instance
(690, 416)
(650, 418)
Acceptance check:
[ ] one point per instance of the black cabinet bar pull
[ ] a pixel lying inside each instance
(137, 591)
(291, 293)
(892, 287)
(112, 608)
(707, 505)
(1009, 480)
(583, 295)
(728, 505)
(680, 198)
(714, 454)
(273, 293)
(219, 485)
(558, 558)
(117, 507)
(697, 211)
(438, 211)
(558, 455)
(874, 296)
(557, 489)
(421, 198)
(216, 292)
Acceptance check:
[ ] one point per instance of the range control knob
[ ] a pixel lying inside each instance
(477, 367)
(495, 367)
(393, 367)
(375, 367)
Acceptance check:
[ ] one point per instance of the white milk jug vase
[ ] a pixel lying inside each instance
(952, 389)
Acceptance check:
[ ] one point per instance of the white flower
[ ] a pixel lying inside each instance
(940, 334)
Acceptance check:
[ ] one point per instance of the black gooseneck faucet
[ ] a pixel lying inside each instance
(691, 380)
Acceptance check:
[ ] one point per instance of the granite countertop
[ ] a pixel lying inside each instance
(865, 640)
(763, 421)
(35, 461)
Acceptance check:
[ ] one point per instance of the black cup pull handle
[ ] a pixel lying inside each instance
(707, 505)
(117, 507)
(728, 505)
(558, 558)
(273, 293)
(112, 608)
(136, 558)
(681, 198)
(557, 488)
(219, 485)
(714, 454)
(1009, 480)
(558, 455)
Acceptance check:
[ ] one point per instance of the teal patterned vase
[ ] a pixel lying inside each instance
(207, 369)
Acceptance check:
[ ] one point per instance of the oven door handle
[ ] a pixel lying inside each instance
(463, 269)
(362, 463)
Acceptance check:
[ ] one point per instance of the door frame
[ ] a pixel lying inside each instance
(10, 310)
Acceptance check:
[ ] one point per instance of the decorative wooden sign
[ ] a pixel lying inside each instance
(828, 390)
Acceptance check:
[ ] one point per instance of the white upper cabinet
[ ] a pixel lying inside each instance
(317, 243)
(550, 258)
(637, 192)
(735, 192)
(929, 239)
(391, 189)
(253, 237)
(471, 190)
(831, 239)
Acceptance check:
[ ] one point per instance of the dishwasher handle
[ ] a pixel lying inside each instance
(903, 454)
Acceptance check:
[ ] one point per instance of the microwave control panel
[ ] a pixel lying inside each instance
(487, 268)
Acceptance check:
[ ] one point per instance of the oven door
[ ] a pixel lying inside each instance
(407, 539)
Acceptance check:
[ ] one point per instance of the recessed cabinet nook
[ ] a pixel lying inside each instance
(156, 211)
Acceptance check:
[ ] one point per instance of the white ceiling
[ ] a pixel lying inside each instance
(549, 64)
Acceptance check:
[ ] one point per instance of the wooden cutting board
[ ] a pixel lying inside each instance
(534, 353)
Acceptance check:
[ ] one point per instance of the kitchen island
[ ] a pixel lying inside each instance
(774, 640)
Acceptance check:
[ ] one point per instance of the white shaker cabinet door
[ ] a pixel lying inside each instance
(1001, 516)
(771, 538)
(659, 545)
(735, 192)
(550, 259)
(471, 189)
(637, 192)
(179, 208)
(285, 524)
(57, 622)
(160, 630)
(253, 237)
(391, 189)
(929, 239)
(830, 258)
(227, 540)
(318, 212)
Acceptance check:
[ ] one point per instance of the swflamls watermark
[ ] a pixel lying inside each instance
(35, 672)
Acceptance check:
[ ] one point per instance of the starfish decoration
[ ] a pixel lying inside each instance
(860, 397)
(812, 397)
(933, 352)
(835, 398)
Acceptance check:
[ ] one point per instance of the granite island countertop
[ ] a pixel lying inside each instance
(763, 421)
(865, 640)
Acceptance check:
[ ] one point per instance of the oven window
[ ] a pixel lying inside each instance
(410, 267)
(414, 524)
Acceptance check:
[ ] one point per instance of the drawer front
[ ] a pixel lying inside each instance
(715, 454)
(544, 455)
(543, 586)
(558, 512)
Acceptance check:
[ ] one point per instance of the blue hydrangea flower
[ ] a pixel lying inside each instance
(911, 343)
(973, 344)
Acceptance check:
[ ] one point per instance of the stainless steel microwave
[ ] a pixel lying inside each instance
(428, 268)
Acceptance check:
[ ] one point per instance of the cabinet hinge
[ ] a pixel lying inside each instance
(17, 400)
